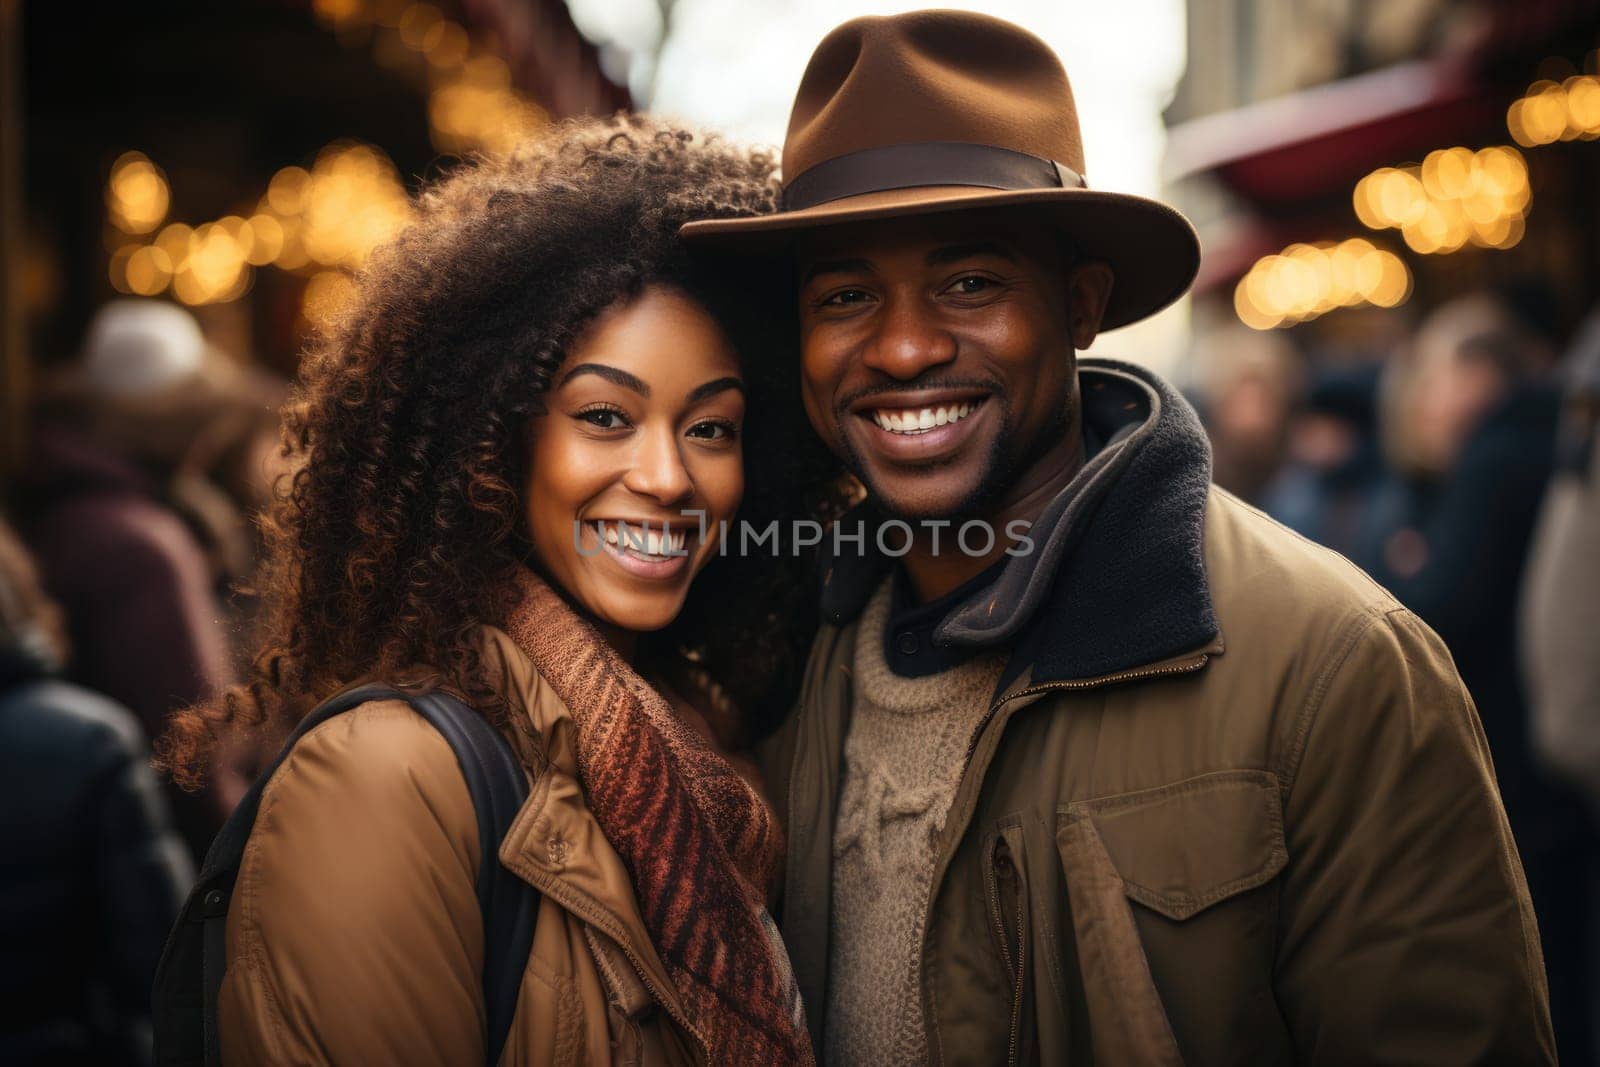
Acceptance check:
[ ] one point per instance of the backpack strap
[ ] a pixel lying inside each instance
(498, 787)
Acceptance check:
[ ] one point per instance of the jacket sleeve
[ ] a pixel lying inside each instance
(354, 934)
(1407, 932)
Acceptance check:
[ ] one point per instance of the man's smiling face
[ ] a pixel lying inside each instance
(937, 355)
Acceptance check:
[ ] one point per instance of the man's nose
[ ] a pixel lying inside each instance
(658, 470)
(907, 341)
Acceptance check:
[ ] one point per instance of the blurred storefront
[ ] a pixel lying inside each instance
(1349, 155)
(1399, 208)
(244, 158)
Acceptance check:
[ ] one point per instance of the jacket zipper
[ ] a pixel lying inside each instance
(1188, 666)
(1006, 871)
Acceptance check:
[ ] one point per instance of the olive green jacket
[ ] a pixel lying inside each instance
(1282, 843)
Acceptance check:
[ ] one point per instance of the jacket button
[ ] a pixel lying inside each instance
(907, 643)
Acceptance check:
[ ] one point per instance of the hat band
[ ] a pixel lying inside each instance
(921, 163)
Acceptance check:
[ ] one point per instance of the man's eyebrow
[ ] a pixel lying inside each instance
(833, 266)
(610, 374)
(940, 257)
(713, 387)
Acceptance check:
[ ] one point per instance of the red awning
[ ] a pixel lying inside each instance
(1317, 143)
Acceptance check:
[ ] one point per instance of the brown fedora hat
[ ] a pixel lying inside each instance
(937, 111)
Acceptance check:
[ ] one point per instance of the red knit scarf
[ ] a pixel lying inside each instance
(698, 841)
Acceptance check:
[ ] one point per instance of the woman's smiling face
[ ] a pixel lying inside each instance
(641, 436)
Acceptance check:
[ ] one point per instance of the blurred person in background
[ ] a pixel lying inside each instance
(145, 465)
(1469, 417)
(93, 872)
(1247, 386)
(1334, 468)
(1561, 597)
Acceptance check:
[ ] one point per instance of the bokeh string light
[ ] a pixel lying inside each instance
(327, 219)
(1305, 281)
(1556, 111)
(1455, 197)
(137, 196)
(472, 104)
(322, 222)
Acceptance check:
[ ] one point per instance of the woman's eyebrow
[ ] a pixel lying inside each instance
(713, 387)
(610, 374)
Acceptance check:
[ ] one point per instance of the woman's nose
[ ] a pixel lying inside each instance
(658, 470)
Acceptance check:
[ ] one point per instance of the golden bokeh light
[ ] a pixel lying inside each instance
(174, 241)
(287, 190)
(117, 269)
(341, 14)
(149, 271)
(1550, 111)
(1305, 281)
(446, 45)
(215, 270)
(266, 240)
(415, 23)
(1454, 197)
(137, 196)
(354, 202)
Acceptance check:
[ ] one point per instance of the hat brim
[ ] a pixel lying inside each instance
(1152, 250)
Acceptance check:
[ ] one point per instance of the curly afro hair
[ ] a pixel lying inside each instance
(401, 529)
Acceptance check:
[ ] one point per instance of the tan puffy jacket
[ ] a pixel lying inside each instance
(355, 934)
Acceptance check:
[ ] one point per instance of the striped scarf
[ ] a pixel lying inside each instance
(699, 843)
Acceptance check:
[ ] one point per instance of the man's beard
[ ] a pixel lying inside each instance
(1008, 457)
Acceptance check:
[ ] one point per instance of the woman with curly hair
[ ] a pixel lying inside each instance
(513, 454)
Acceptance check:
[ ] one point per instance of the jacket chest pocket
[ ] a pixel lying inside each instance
(1179, 851)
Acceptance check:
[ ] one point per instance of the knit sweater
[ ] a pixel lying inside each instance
(903, 758)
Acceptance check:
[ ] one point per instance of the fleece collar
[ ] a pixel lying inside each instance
(1116, 578)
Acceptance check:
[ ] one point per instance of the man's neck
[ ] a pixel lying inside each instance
(933, 575)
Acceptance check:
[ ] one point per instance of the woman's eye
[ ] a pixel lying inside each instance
(603, 418)
(713, 431)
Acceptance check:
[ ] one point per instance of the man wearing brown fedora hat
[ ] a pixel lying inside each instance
(1092, 762)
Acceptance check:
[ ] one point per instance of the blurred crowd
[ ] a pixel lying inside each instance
(122, 565)
(1454, 462)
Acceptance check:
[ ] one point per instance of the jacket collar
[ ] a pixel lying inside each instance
(555, 844)
(1116, 578)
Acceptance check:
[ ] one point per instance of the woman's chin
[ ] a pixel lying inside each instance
(636, 612)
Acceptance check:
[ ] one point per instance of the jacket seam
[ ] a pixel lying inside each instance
(1288, 767)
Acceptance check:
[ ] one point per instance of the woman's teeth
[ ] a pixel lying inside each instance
(642, 541)
(921, 420)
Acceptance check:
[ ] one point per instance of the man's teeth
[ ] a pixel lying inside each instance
(641, 540)
(920, 420)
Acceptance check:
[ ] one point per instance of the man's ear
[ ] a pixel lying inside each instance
(1088, 288)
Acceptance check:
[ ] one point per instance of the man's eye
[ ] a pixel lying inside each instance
(972, 284)
(844, 297)
(603, 418)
